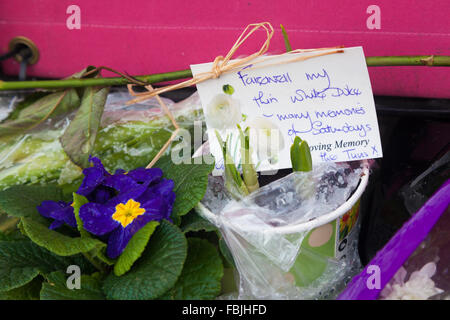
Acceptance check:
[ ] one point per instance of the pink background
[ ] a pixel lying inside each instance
(143, 37)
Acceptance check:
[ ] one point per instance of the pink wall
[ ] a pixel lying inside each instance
(142, 37)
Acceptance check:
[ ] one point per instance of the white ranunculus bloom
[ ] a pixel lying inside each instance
(418, 287)
(223, 112)
(269, 140)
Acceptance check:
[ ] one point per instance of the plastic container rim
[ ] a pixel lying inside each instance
(317, 222)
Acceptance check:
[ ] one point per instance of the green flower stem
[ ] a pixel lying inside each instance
(87, 82)
(233, 181)
(381, 61)
(248, 169)
(429, 60)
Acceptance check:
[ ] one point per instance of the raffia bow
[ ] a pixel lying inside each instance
(223, 65)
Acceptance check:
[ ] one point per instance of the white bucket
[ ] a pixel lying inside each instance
(314, 250)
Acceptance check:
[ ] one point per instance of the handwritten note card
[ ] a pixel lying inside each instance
(326, 101)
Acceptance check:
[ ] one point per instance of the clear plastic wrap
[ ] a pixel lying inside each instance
(277, 248)
(129, 137)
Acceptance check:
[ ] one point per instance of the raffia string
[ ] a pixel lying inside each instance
(225, 65)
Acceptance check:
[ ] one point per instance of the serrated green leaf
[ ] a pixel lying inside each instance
(21, 201)
(202, 273)
(190, 181)
(156, 271)
(79, 138)
(134, 248)
(55, 103)
(56, 288)
(56, 242)
(194, 222)
(22, 261)
(30, 291)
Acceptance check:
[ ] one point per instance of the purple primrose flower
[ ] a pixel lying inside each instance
(119, 204)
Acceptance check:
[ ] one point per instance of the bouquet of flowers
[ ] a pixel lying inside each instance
(80, 215)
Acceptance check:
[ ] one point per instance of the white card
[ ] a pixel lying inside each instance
(326, 101)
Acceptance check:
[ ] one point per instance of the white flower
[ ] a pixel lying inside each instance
(223, 112)
(269, 139)
(418, 287)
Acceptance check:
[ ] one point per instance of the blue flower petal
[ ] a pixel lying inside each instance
(163, 188)
(47, 207)
(145, 176)
(102, 194)
(125, 196)
(55, 225)
(120, 182)
(155, 209)
(97, 218)
(61, 211)
(120, 237)
(93, 177)
(117, 242)
(98, 164)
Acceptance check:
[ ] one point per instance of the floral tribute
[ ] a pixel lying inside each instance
(120, 204)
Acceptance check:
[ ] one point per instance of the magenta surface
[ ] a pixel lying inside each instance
(143, 37)
(400, 247)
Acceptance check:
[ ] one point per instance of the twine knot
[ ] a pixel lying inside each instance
(217, 67)
(225, 65)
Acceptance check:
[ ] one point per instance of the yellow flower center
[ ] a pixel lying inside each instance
(126, 213)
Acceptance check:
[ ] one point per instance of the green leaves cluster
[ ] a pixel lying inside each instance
(164, 260)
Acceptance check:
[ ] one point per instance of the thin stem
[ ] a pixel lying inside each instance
(428, 60)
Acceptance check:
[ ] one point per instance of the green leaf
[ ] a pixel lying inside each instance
(194, 222)
(12, 236)
(79, 138)
(78, 201)
(190, 182)
(29, 100)
(286, 39)
(202, 273)
(134, 248)
(233, 180)
(56, 242)
(226, 253)
(81, 74)
(30, 291)
(156, 271)
(22, 261)
(99, 251)
(55, 103)
(300, 155)
(56, 288)
(3, 237)
(21, 201)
